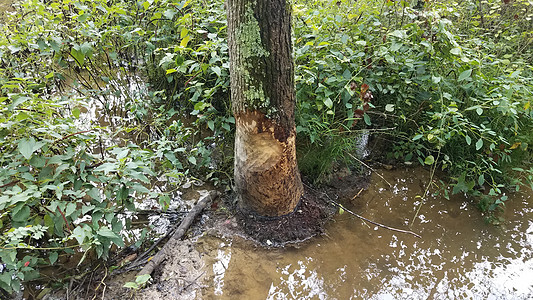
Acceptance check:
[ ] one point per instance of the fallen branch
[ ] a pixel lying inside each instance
(163, 254)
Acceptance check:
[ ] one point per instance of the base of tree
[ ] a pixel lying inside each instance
(307, 220)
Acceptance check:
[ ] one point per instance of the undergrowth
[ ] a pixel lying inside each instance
(83, 137)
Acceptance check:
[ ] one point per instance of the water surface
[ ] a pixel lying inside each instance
(458, 257)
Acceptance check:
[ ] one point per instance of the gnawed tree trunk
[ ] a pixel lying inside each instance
(267, 179)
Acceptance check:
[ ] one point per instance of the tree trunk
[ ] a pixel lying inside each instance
(267, 179)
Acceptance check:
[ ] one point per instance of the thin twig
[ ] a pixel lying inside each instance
(423, 198)
(193, 281)
(10, 184)
(336, 204)
(101, 283)
(357, 194)
(72, 134)
(361, 162)
(64, 219)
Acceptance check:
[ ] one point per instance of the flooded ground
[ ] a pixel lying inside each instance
(5, 5)
(458, 257)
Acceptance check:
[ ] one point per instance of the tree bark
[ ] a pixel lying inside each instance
(267, 179)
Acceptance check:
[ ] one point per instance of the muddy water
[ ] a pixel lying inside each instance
(5, 5)
(458, 257)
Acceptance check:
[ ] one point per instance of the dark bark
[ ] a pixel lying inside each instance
(267, 179)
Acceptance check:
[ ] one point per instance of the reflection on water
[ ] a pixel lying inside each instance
(459, 256)
(220, 266)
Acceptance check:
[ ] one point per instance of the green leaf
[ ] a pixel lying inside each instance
(94, 193)
(456, 51)
(216, 70)
(17, 101)
(106, 167)
(86, 48)
(389, 107)
(465, 75)
(83, 17)
(429, 160)
(367, 119)
(14, 49)
(401, 34)
(481, 179)
(328, 103)
(185, 41)
(347, 74)
(131, 285)
(79, 233)
(461, 185)
(28, 146)
(479, 111)
(142, 279)
(146, 5)
(71, 208)
(479, 144)
(49, 222)
(53, 257)
(200, 106)
(140, 188)
(78, 56)
(21, 116)
(5, 281)
(76, 113)
(211, 125)
(123, 153)
(21, 214)
(106, 232)
(37, 161)
(170, 71)
(87, 208)
(417, 137)
(468, 139)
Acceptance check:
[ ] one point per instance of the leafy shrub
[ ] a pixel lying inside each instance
(452, 84)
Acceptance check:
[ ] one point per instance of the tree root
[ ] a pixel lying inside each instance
(163, 254)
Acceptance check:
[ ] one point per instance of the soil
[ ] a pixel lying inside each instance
(184, 276)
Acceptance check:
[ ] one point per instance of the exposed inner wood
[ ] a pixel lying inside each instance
(266, 173)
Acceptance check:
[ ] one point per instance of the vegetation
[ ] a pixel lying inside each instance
(83, 139)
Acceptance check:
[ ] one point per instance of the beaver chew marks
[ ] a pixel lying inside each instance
(266, 173)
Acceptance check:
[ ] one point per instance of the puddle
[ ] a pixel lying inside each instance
(458, 257)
